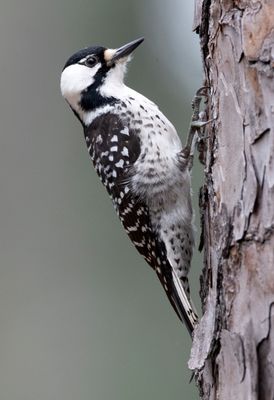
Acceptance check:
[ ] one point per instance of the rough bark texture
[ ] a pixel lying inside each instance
(233, 348)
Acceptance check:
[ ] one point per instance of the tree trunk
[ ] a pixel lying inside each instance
(233, 347)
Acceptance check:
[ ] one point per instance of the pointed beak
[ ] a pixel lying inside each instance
(124, 51)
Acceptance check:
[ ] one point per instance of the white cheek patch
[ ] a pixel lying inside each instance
(74, 80)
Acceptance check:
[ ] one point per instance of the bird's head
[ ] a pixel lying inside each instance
(93, 77)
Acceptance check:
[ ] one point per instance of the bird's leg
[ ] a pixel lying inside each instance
(196, 125)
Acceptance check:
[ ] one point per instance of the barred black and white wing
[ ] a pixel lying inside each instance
(114, 147)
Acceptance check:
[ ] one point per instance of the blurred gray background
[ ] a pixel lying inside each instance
(81, 314)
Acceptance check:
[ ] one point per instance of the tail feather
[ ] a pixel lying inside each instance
(184, 307)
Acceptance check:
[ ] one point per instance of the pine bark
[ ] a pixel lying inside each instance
(233, 348)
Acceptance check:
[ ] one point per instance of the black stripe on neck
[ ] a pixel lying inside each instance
(91, 97)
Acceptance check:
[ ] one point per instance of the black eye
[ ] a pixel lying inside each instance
(91, 61)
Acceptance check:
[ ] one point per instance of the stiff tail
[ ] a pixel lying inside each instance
(184, 307)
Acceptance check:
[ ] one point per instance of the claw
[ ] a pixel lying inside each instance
(196, 124)
(200, 91)
(200, 124)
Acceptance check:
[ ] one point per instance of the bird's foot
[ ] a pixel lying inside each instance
(196, 130)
